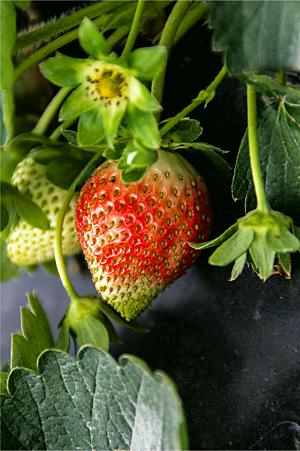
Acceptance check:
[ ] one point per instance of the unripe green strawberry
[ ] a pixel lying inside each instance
(135, 236)
(27, 245)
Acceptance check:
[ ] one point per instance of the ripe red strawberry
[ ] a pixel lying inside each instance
(135, 237)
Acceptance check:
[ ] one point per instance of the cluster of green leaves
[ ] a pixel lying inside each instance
(36, 369)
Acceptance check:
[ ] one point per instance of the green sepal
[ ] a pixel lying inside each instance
(284, 261)
(282, 241)
(216, 241)
(92, 40)
(238, 267)
(77, 103)
(90, 331)
(64, 70)
(90, 127)
(262, 257)
(233, 248)
(63, 339)
(185, 131)
(113, 153)
(135, 156)
(4, 217)
(148, 61)
(112, 116)
(31, 212)
(133, 175)
(143, 126)
(140, 97)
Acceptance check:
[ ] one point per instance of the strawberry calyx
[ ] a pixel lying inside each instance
(263, 239)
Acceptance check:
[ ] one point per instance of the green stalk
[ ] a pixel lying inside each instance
(262, 204)
(167, 39)
(58, 131)
(41, 53)
(135, 28)
(201, 98)
(193, 15)
(49, 113)
(59, 259)
(117, 35)
(62, 24)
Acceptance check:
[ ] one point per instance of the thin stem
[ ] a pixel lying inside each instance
(166, 39)
(262, 204)
(62, 24)
(193, 15)
(58, 131)
(135, 28)
(281, 77)
(201, 98)
(49, 113)
(60, 263)
(59, 259)
(117, 35)
(41, 53)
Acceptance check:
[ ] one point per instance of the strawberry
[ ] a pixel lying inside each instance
(27, 245)
(135, 236)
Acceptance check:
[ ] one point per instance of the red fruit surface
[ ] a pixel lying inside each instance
(135, 236)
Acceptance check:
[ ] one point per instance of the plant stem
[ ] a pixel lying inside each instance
(117, 35)
(58, 131)
(202, 97)
(262, 204)
(41, 53)
(193, 15)
(60, 263)
(62, 24)
(166, 39)
(135, 28)
(281, 77)
(49, 113)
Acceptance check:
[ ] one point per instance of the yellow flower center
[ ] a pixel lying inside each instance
(107, 84)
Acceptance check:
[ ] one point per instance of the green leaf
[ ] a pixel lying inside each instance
(282, 241)
(7, 38)
(92, 402)
(90, 127)
(216, 241)
(3, 383)
(76, 104)
(233, 248)
(63, 340)
(71, 137)
(147, 61)
(51, 268)
(30, 212)
(260, 35)
(143, 126)
(92, 332)
(91, 40)
(113, 153)
(63, 171)
(278, 139)
(238, 267)
(64, 70)
(23, 4)
(185, 131)
(37, 336)
(4, 217)
(270, 87)
(262, 257)
(112, 116)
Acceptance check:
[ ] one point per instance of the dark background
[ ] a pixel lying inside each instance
(233, 348)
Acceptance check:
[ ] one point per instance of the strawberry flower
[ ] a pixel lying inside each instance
(107, 89)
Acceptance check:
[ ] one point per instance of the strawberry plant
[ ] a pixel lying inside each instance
(103, 165)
